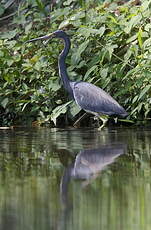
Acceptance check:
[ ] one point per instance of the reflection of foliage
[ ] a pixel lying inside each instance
(29, 164)
(108, 40)
(30, 181)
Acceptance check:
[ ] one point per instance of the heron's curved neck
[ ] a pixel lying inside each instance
(62, 65)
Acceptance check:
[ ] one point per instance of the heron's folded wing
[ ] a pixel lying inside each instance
(93, 99)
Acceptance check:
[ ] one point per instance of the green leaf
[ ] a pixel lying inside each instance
(139, 37)
(126, 121)
(128, 55)
(77, 55)
(67, 3)
(145, 5)
(54, 85)
(8, 78)
(147, 27)
(113, 19)
(41, 6)
(64, 23)
(86, 31)
(74, 109)
(8, 3)
(104, 72)
(79, 15)
(101, 30)
(134, 21)
(2, 53)
(147, 43)
(135, 99)
(131, 39)
(24, 106)
(2, 9)
(82, 47)
(9, 35)
(144, 91)
(28, 28)
(59, 110)
(4, 102)
(110, 48)
(89, 71)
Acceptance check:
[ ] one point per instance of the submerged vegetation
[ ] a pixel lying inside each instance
(111, 44)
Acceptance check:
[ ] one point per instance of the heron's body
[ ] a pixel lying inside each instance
(95, 100)
(89, 97)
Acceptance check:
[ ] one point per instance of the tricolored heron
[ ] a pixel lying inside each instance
(89, 97)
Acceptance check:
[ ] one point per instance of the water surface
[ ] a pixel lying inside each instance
(75, 179)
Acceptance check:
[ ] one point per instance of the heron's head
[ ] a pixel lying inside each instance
(56, 34)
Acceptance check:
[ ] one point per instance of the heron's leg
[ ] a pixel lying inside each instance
(97, 120)
(104, 119)
(115, 120)
(76, 123)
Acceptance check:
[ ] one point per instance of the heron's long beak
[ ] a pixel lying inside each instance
(46, 37)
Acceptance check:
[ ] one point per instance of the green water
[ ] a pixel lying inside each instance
(75, 179)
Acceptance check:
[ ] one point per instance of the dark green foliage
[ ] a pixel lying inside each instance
(110, 48)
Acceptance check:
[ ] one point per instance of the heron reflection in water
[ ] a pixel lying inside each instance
(88, 164)
(89, 97)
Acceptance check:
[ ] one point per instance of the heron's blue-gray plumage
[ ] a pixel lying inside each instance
(91, 161)
(62, 66)
(95, 100)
